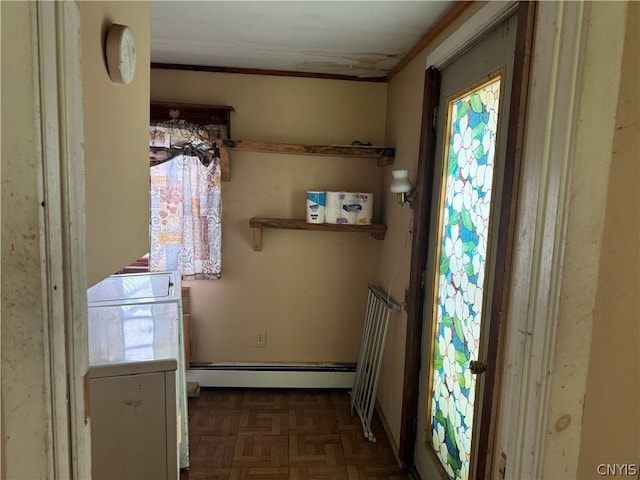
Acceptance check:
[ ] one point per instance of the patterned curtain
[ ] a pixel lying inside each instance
(185, 226)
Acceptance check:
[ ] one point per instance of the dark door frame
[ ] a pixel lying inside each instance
(415, 295)
(422, 231)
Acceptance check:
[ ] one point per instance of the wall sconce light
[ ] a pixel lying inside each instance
(401, 185)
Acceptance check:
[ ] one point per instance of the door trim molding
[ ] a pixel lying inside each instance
(470, 32)
(58, 95)
(541, 223)
(415, 295)
(548, 366)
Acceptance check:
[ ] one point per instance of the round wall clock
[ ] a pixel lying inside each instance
(121, 53)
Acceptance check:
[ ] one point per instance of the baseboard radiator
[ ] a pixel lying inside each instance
(272, 375)
(363, 394)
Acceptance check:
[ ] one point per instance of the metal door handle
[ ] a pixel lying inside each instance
(477, 367)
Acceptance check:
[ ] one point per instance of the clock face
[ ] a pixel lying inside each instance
(127, 56)
(121, 54)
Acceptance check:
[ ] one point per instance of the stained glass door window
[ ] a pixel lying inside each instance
(462, 249)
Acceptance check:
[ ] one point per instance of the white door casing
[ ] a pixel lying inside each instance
(561, 204)
(58, 96)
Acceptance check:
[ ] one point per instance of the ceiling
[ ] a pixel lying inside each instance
(356, 38)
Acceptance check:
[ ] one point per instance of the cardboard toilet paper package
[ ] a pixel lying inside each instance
(349, 208)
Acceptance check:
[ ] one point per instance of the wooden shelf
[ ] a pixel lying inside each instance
(377, 230)
(193, 113)
(384, 155)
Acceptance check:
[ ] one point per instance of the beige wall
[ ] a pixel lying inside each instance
(25, 418)
(611, 421)
(306, 289)
(116, 141)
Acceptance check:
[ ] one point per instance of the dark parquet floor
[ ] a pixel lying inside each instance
(238, 434)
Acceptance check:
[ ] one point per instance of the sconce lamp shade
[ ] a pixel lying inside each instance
(401, 182)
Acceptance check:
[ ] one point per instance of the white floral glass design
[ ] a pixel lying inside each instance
(465, 215)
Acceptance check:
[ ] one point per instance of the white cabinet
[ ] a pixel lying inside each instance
(136, 342)
(133, 427)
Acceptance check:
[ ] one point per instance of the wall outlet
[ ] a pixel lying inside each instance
(260, 339)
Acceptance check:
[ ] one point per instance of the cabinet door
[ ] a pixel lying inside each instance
(129, 419)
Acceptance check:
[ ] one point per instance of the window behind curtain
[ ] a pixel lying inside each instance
(185, 220)
(185, 227)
